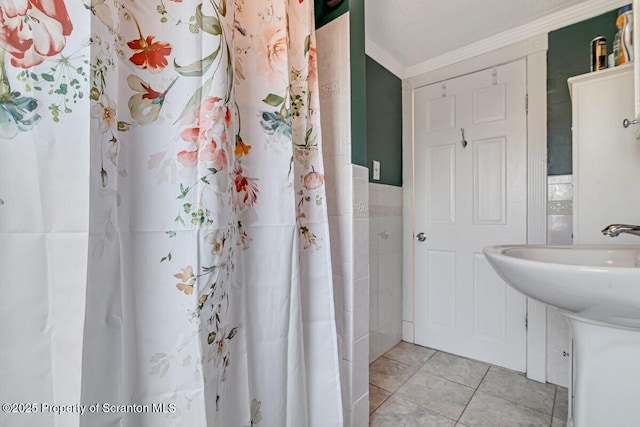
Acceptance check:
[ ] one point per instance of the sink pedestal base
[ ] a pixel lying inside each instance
(606, 374)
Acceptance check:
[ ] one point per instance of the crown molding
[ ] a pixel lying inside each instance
(568, 16)
(383, 58)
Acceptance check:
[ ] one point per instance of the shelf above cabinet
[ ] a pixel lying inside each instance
(596, 75)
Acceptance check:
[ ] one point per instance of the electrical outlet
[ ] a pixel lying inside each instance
(376, 170)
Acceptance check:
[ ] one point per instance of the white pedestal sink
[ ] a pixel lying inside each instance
(598, 289)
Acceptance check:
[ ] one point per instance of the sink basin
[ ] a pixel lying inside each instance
(601, 283)
(597, 288)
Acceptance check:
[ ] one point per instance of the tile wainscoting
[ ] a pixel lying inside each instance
(348, 211)
(385, 259)
(559, 232)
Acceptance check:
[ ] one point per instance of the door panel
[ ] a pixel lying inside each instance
(442, 273)
(442, 184)
(468, 198)
(441, 113)
(489, 104)
(489, 181)
(490, 301)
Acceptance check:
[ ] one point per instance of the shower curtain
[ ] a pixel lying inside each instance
(164, 245)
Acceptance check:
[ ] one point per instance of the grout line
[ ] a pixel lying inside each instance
(471, 398)
(411, 376)
(516, 404)
(419, 369)
(381, 403)
(553, 407)
(475, 389)
(460, 357)
(404, 364)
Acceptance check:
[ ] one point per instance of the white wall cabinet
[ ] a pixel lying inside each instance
(636, 52)
(606, 156)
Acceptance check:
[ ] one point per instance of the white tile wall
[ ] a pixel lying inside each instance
(361, 257)
(348, 209)
(373, 314)
(361, 369)
(361, 411)
(385, 258)
(361, 308)
(559, 232)
(407, 330)
(345, 379)
(360, 297)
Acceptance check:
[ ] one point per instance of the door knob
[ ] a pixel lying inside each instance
(421, 237)
(626, 123)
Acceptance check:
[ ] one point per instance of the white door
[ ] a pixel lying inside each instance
(467, 198)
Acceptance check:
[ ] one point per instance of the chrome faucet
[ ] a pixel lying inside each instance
(614, 230)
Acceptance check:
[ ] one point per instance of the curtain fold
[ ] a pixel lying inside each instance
(162, 196)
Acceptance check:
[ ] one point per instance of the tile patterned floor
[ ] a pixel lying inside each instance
(413, 386)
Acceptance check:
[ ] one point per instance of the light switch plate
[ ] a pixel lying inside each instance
(376, 170)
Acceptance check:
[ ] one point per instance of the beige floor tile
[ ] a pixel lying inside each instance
(377, 396)
(437, 394)
(519, 389)
(396, 412)
(558, 423)
(458, 369)
(486, 410)
(561, 405)
(389, 374)
(410, 354)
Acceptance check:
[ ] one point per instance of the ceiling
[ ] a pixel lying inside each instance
(412, 32)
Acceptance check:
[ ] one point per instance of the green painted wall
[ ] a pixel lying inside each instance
(325, 14)
(568, 56)
(358, 84)
(384, 123)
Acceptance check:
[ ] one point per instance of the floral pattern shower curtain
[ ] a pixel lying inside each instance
(161, 184)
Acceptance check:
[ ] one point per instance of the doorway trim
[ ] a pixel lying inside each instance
(534, 50)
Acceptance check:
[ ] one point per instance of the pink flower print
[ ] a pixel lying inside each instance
(211, 152)
(202, 113)
(275, 64)
(227, 117)
(187, 158)
(194, 135)
(313, 180)
(207, 123)
(209, 102)
(313, 67)
(32, 30)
